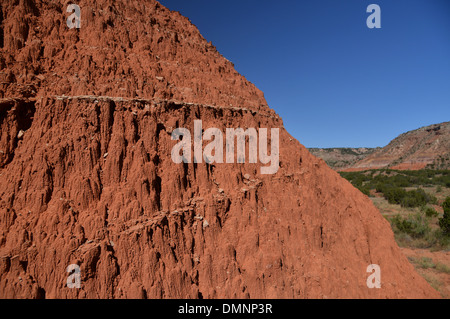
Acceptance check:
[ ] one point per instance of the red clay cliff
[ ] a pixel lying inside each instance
(86, 175)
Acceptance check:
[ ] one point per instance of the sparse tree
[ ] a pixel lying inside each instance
(444, 222)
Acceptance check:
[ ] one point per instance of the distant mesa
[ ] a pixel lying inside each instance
(340, 158)
(426, 147)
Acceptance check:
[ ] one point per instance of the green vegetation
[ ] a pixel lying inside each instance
(392, 185)
(423, 263)
(433, 281)
(443, 268)
(444, 222)
(416, 225)
(395, 178)
(430, 212)
(415, 230)
(413, 198)
(410, 196)
(427, 263)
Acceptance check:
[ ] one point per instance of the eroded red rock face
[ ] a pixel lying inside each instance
(136, 49)
(89, 180)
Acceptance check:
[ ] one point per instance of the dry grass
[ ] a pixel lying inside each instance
(434, 282)
(440, 267)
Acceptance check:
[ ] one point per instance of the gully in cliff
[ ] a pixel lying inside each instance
(216, 147)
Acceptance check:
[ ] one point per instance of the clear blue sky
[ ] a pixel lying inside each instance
(335, 82)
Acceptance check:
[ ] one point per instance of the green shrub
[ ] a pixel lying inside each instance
(417, 225)
(431, 212)
(394, 195)
(380, 187)
(417, 198)
(413, 198)
(444, 222)
(365, 190)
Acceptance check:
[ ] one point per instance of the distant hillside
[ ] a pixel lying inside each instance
(426, 147)
(342, 158)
